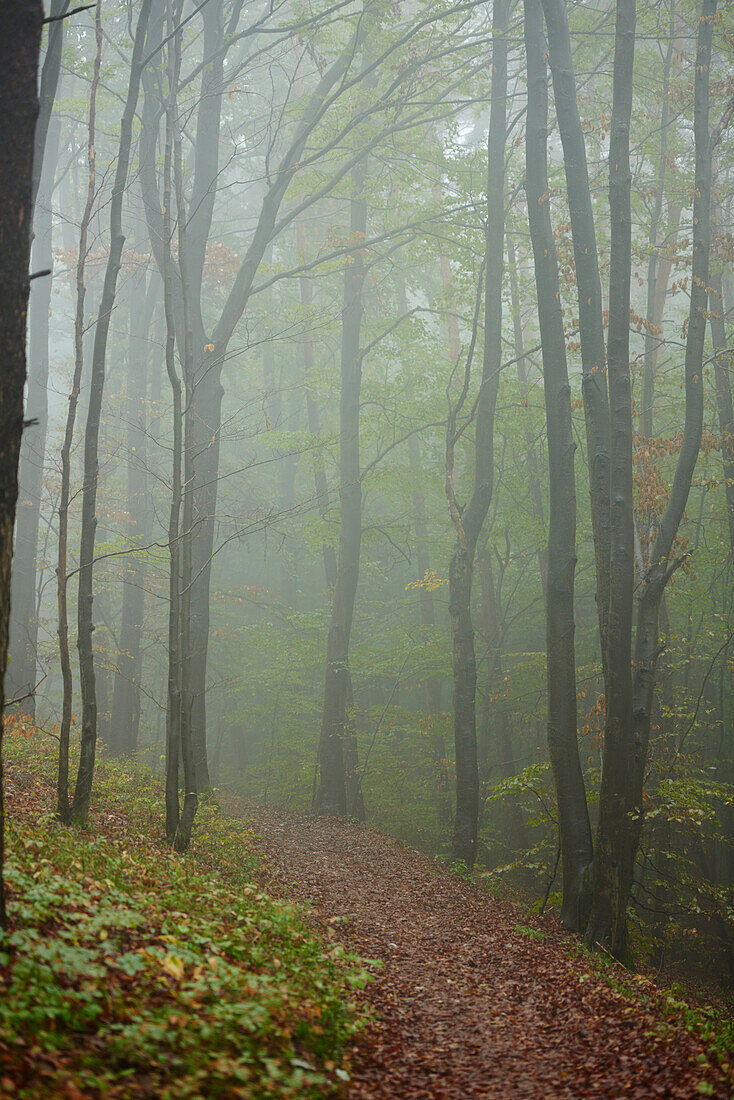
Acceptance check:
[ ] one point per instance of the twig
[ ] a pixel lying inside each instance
(66, 14)
(551, 880)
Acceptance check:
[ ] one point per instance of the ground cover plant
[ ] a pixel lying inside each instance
(128, 972)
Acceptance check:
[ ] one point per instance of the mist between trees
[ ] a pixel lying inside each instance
(379, 444)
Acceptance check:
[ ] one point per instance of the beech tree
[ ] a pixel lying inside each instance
(20, 43)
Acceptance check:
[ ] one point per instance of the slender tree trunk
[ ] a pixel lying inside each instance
(339, 790)
(312, 409)
(658, 268)
(498, 712)
(21, 678)
(83, 790)
(175, 674)
(613, 851)
(426, 601)
(469, 523)
(722, 366)
(62, 567)
(20, 43)
(536, 493)
(125, 721)
(573, 817)
(428, 622)
(193, 752)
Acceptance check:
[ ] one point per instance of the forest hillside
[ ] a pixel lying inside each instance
(128, 974)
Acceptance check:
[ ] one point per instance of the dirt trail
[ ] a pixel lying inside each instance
(469, 1005)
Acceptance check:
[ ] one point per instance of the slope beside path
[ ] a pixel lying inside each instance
(470, 1001)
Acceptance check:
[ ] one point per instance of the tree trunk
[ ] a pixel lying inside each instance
(428, 622)
(20, 43)
(505, 762)
(312, 410)
(613, 852)
(24, 620)
(427, 608)
(573, 818)
(722, 366)
(125, 722)
(50, 73)
(658, 267)
(85, 625)
(469, 523)
(210, 353)
(621, 809)
(536, 495)
(591, 324)
(62, 567)
(339, 789)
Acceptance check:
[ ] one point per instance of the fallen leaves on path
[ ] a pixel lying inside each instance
(468, 1001)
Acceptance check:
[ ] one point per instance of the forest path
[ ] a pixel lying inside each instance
(468, 1004)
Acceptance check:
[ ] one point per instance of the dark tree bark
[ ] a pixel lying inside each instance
(24, 619)
(125, 722)
(62, 567)
(50, 73)
(339, 789)
(613, 851)
(591, 324)
(573, 817)
(469, 523)
(83, 789)
(621, 809)
(20, 43)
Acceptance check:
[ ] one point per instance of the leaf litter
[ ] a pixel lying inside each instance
(467, 1002)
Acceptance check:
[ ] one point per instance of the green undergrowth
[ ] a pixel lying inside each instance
(130, 971)
(671, 1008)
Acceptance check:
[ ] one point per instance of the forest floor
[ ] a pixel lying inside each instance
(473, 997)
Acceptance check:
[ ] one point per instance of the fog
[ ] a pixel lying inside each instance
(379, 449)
